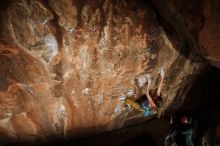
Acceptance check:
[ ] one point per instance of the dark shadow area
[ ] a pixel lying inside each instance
(4, 5)
(141, 99)
(204, 92)
(169, 19)
(202, 105)
(141, 134)
(143, 139)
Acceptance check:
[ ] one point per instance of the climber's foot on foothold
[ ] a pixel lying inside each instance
(129, 108)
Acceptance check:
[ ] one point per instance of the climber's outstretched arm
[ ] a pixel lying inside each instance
(162, 72)
(151, 102)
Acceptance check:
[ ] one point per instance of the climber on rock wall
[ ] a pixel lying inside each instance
(148, 105)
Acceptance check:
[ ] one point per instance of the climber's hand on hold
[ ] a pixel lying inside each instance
(148, 77)
(162, 72)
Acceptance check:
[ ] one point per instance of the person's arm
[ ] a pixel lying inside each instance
(160, 86)
(161, 82)
(151, 102)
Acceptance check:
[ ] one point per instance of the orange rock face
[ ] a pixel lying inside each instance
(65, 65)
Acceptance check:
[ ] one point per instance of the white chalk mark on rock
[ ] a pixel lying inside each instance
(141, 80)
(130, 92)
(86, 91)
(117, 110)
(100, 98)
(122, 97)
(51, 43)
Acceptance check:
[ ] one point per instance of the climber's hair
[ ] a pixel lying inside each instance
(159, 102)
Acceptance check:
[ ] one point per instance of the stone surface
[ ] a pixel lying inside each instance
(196, 24)
(67, 65)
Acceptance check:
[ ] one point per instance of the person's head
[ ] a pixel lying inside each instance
(159, 102)
(184, 120)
